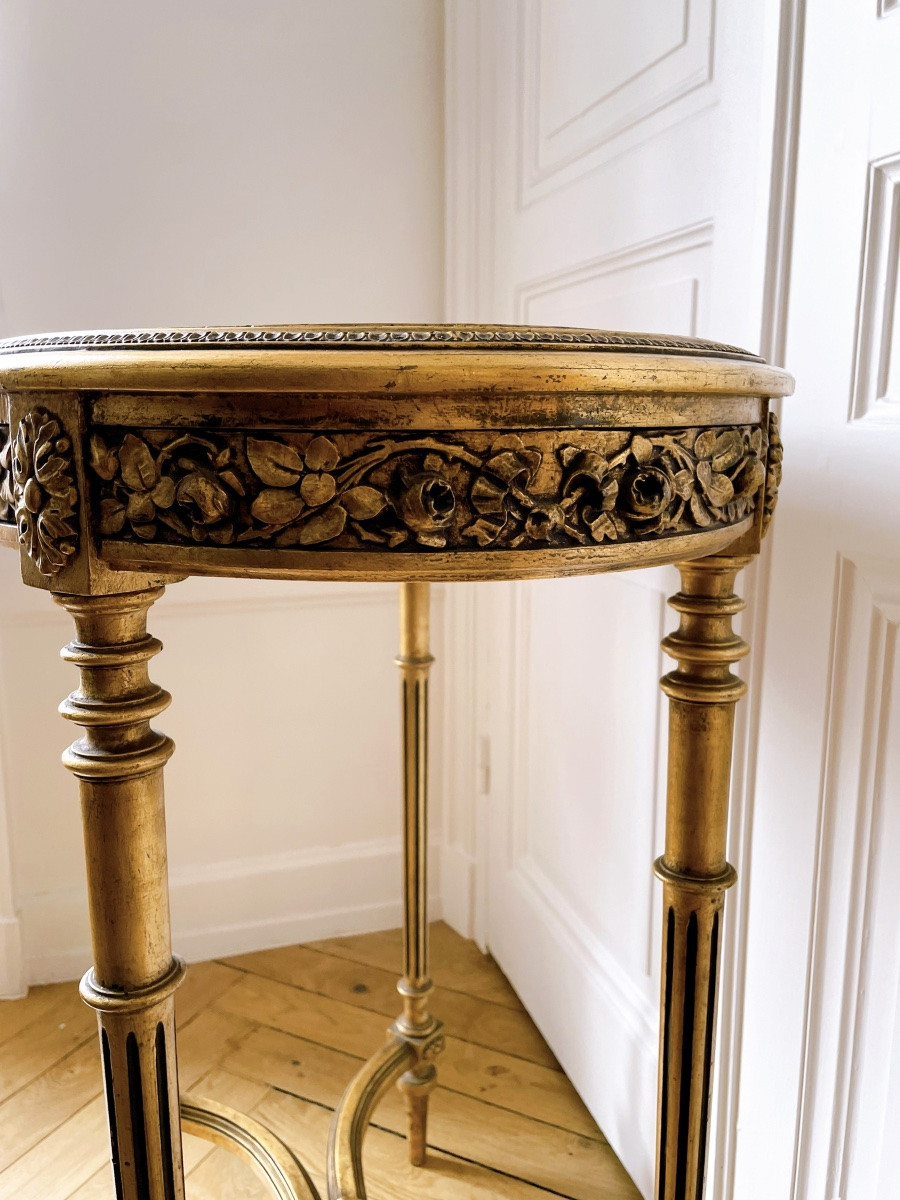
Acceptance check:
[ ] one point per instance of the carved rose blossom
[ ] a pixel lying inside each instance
(544, 521)
(655, 484)
(44, 491)
(426, 505)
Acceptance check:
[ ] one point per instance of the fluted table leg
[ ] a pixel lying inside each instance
(119, 764)
(416, 1025)
(702, 692)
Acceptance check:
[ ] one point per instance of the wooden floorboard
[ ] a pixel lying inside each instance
(278, 1034)
(457, 964)
(480, 1021)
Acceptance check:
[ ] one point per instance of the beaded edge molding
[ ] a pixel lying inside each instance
(374, 337)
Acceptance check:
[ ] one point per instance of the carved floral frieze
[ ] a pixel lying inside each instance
(461, 490)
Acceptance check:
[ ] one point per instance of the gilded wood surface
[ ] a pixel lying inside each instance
(702, 694)
(277, 1165)
(119, 762)
(416, 1025)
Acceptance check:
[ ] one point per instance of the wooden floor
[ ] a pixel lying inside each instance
(278, 1034)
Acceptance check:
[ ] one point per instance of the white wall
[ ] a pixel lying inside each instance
(200, 163)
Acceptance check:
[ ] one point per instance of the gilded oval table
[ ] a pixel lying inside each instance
(131, 459)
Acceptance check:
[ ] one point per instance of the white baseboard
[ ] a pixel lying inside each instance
(238, 906)
(614, 1074)
(458, 889)
(13, 979)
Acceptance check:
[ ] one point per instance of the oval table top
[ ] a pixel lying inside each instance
(378, 452)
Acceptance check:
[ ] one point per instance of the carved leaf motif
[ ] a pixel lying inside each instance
(274, 506)
(684, 485)
(163, 495)
(717, 488)
(274, 463)
(727, 451)
(103, 460)
(750, 478)
(173, 521)
(700, 511)
(705, 444)
(317, 489)
(322, 455)
(52, 475)
(140, 508)
(605, 527)
(139, 471)
(233, 481)
(224, 535)
(52, 526)
(323, 526)
(363, 503)
(641, 449)
(112, 515)
(484, 531)
(320, 527)
(366, 535)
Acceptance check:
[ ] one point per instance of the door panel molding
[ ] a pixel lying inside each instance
(876, 385)
(670, 82)
(855, 845)
(691, 246)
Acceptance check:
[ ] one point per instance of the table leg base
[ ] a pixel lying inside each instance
(401, 1056)
(250, 1141)
(416, 1086)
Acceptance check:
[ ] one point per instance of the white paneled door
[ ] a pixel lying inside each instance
(622, 182)
(820, 1098)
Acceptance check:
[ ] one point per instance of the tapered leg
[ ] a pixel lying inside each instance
(702, 692)
(119, 763)
(416, 1023)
